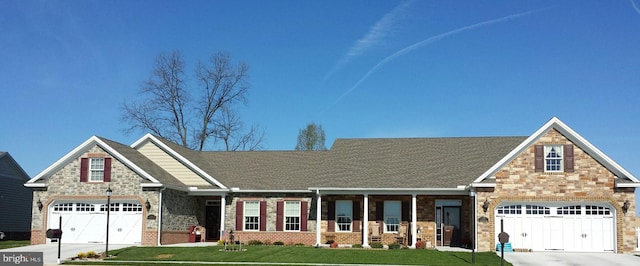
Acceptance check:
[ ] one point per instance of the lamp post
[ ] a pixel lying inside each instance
(106, 253)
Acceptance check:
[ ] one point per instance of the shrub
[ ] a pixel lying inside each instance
(299, 245)
(334, 244)
(221, 242)
(91, 254)
(278, 243)
(420, 245)
(254, 243)
(376, 245)
(267, 242)
(394, 246)
(82, 255)
(356, 246)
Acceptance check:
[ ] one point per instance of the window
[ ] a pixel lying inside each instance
(344, 214)
(537, 210)
(84, 207)
(510, 209)
(63, 207)
(252, 215)
(292, 216)
(570, 210)
(597, 210)
(131, 207)
(114, 207)
(392, 213)
(96, 169)
(553, 158)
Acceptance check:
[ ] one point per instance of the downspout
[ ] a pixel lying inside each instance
(160, 216)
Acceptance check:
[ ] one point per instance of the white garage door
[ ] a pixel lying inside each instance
(86, 222)
(557, 226)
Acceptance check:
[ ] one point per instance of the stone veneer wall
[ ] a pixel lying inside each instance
(66, 185)
(179, 211)
(589, 182)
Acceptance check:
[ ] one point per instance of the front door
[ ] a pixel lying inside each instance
(212, 222)
(448, 222)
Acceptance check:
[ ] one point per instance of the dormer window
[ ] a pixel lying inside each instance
(553, 158)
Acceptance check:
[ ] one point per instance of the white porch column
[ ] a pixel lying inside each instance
(414, 220)
(223, 214)
(365, 222)
(318, 218)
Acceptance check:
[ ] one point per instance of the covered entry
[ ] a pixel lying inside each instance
(86, 222)
(560, 226)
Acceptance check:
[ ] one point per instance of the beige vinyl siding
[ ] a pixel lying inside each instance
(171, 165)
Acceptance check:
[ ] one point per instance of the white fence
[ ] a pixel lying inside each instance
(638, 240)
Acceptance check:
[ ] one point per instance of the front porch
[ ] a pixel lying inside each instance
(434, 219)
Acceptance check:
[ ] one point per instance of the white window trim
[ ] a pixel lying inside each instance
(349, 203)
(96, 170)
(387, 216)
(559, 150)
(285, 214)
(244, 216)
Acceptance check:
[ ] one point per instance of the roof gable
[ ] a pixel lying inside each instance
(106, 145)
(572, 136)
(9, 168)
(179, 154)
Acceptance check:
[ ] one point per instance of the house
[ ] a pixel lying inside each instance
(15, 199)
(552, 190)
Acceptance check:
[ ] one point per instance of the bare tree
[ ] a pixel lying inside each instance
(311, 138)
(170, 111)
(226, 131)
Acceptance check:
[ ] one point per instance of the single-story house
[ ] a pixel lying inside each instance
(552, 190)
(15, 199)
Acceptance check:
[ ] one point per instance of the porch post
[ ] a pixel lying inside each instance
(365, 222)
(223, 213)
(318, 218)
(414, 220)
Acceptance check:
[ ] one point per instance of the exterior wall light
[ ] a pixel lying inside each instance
(485, 206)
(147, 205)
(625, 206)
(39, 204)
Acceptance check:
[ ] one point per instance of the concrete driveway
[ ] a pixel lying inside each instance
(50, 251)
(568, 258)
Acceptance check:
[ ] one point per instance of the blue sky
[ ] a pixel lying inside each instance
(361, 69)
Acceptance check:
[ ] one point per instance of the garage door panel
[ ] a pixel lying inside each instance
(558, 226)
(83, 224)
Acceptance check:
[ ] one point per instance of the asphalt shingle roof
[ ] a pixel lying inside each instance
(358, 163)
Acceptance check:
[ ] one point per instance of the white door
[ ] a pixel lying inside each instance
(84, 222)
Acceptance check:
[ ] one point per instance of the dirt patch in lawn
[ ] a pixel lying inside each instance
(164, 256)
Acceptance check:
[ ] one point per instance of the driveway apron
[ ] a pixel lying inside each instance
(570, 258)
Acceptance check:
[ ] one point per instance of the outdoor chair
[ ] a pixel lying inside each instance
(401, 235)
(374, 233)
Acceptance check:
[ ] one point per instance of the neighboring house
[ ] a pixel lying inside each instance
(15, 199)
(552, 190)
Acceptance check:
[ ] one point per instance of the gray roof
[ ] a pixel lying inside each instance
(358, 163)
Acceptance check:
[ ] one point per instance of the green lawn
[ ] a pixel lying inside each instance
(282, 254)
(13, 243)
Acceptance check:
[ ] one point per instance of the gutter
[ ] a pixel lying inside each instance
(160, 216)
